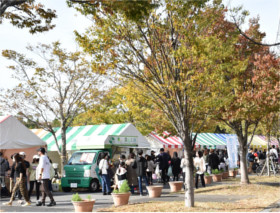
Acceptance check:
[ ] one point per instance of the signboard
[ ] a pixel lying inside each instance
(124, 140)
(232, 151)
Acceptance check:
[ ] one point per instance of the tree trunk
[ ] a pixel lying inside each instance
(243, 165)
(189, 195)
(63, 147)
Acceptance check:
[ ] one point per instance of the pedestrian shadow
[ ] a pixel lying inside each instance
(215, 189)
(269, 184)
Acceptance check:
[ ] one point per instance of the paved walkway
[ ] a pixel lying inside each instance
(64, 200)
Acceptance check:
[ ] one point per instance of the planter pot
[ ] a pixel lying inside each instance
(83, 206)
(208, 179)
(225, 175)
(154, 191)
(120, 198)
(236, 172)
(176, 186)
(231, 173)
(217, 177)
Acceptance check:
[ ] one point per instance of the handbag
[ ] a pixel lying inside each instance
(154, 176)
(169, 173)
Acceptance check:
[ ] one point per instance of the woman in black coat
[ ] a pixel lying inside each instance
(213, 160)
(176, 169)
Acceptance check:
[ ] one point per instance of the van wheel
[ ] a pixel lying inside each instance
(94, 185)
(66, 189)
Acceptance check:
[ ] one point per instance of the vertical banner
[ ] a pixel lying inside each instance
(232, 151)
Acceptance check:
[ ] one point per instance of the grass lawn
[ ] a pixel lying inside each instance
(260, 194)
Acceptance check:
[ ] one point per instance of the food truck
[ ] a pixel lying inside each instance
(82, 169)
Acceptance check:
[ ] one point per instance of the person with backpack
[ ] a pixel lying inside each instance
(251, 159)
(273, 154)
(141, 171)
(4, 167)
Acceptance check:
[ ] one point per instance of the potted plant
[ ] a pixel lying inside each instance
(236, 171)
(224, 174)
(154, 191)
(121, 195)
(176, 186)
(207, 178)
(217, 176)
(81, 205)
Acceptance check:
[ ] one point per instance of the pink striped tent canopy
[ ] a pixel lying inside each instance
(168, 140)
(273, 140)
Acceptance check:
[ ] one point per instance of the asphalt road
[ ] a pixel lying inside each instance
(63, 200)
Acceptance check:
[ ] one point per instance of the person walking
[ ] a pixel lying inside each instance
(27, 165)
(206, 159)
(4, 167)
(105, 181)
(163, 159)
(43, 175)
(199, 165)
(141, 171)
(19, 171)
(131, 172)
(176, 169)
(32, 178)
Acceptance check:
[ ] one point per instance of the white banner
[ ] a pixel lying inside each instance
(232, 151)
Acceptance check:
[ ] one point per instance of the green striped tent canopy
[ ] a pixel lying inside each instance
(93, 136)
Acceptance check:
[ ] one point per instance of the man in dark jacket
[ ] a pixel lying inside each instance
(141, 171)
(4, 166)
(251, 158)
(213, 160)
(163, 159)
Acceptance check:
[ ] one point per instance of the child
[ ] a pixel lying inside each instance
(121, 174)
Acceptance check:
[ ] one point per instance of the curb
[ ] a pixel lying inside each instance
(271, 206)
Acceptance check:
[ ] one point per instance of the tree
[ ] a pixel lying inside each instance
(170, 53)
(27, 14)
(248, 96)
(126, 104)
(61, 85)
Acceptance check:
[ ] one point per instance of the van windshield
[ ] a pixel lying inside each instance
(82, 158)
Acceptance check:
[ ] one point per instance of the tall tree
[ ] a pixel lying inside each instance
(56, 87)
(249, 95)
(129, 103)
(27, 14)
(170, 52)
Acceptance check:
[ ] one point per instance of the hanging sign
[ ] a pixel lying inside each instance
(232, 151)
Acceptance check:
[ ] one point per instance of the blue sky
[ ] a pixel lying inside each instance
(68, 20)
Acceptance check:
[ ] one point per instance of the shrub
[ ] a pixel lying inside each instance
(76, 197)
(124, 188)
(89, 197)
(235, 169)
(207, 174)
(215, 171)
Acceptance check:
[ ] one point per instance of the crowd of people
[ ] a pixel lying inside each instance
(161, 168)
(257, 157)
(39, 174)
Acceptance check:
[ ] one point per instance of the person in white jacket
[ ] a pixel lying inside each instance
(104, 166)
(184, 168)
(199, 165)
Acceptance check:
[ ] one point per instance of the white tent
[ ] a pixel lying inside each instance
(14, 135)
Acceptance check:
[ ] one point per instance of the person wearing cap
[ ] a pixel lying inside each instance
(43, 175)
(32, 178)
